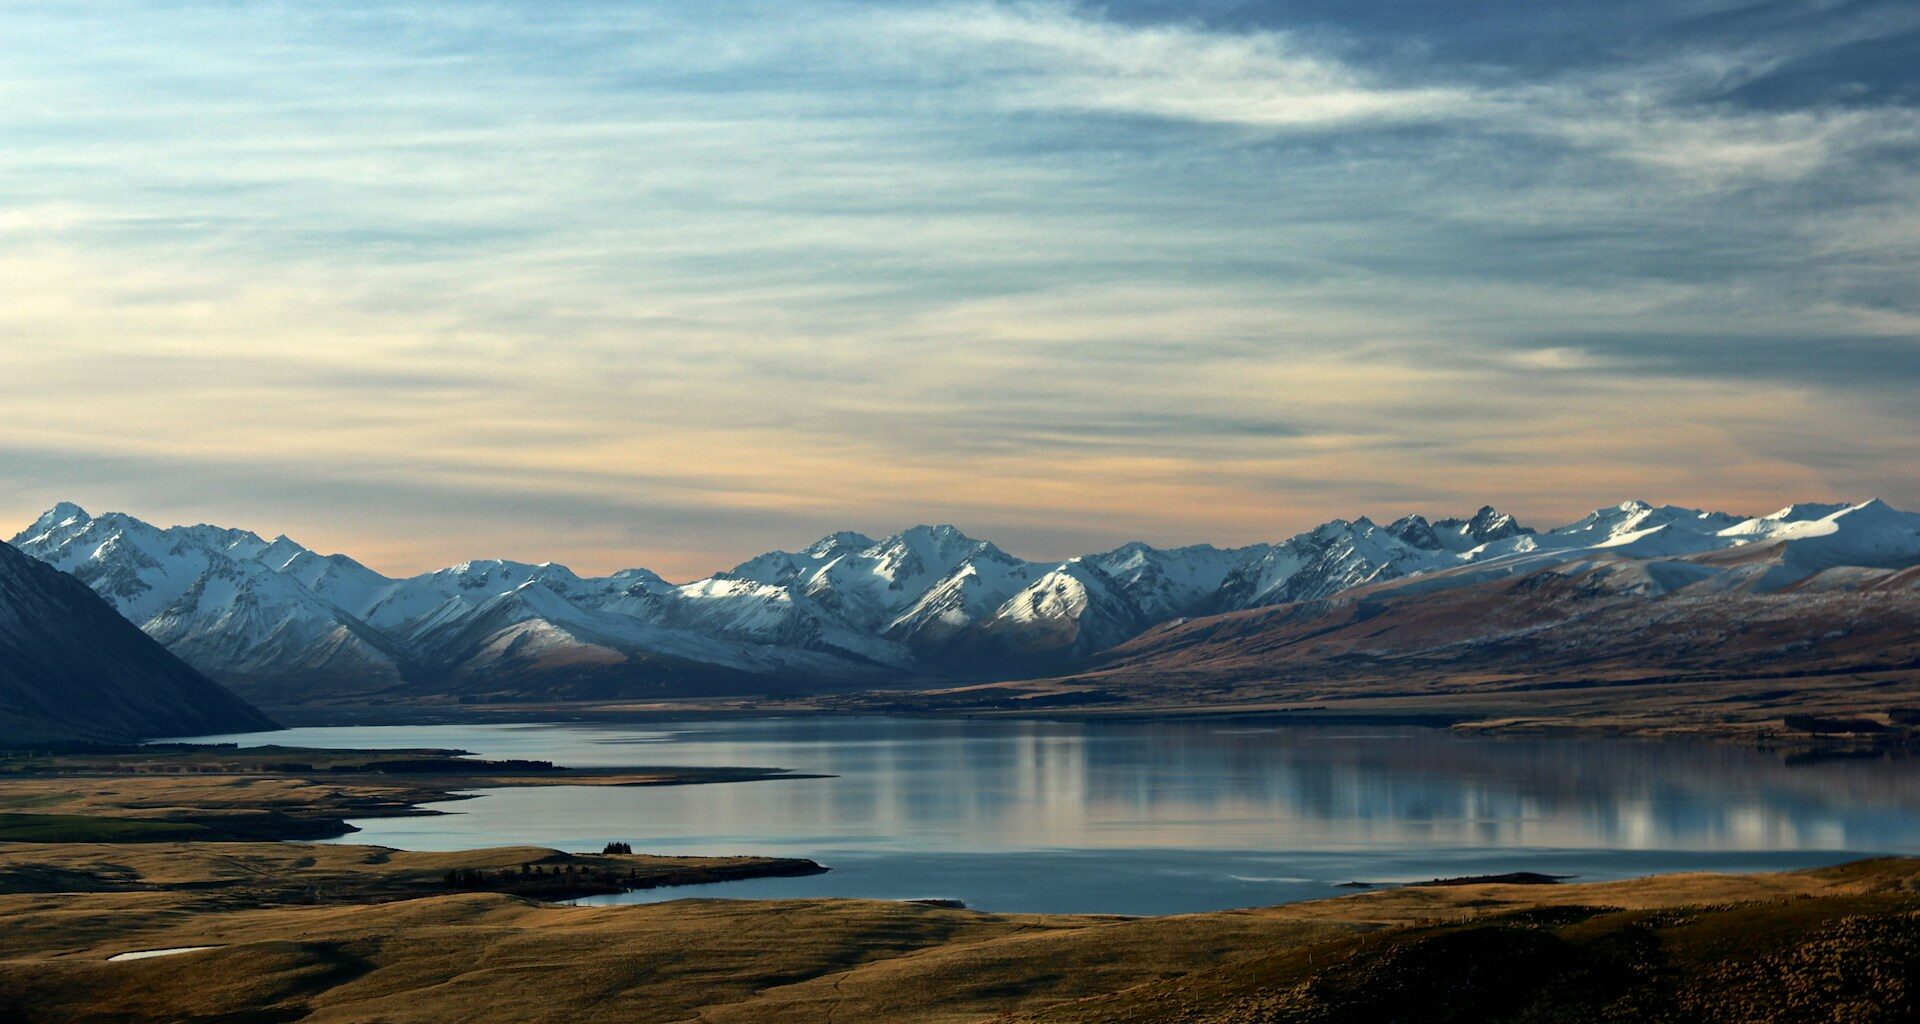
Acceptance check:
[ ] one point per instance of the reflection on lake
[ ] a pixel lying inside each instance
(1161, 817)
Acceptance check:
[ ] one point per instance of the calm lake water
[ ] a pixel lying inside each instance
(1155, 818)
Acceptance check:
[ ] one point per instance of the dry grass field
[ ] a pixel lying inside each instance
(1832, 945)
(93, 864)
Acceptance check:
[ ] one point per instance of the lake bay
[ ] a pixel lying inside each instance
(1153, 818)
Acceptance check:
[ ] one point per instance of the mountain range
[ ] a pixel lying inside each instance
(1651, 619)
(72, 669)
(280, 622)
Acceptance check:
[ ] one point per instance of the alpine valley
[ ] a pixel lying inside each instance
(1832, 585)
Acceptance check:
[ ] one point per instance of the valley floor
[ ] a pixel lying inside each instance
(273, 931)
(1814, 711)
(1839, 944)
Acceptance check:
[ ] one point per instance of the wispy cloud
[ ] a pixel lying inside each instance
(1053, 57)
(1664, 115)
(666, 284)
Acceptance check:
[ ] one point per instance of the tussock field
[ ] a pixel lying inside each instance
(1839, 944)
(105, 854)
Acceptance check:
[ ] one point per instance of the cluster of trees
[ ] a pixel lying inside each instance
(538, 876)
(444, 765)
(1828, 725)
(612, 848)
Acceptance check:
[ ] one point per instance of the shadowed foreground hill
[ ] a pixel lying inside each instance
(71, 668)
(1829, 946)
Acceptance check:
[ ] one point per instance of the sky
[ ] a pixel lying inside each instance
(620, 284)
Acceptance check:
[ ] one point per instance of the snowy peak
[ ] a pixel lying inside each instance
(640, 576)
(966, 597)
(1808, 510)
(1486, 525)
(1871, 534)
(1063, 594)
(1632, 529)
(1323, 561)
(1073, 610)
(838, 543)
(923, 549)
(875, 588)
(65, 516)
(1489, 519)
(785, 566)
(503, 574)
(64, 511)
(1457, 535)
(56, 526)
(1415, 531)
(1164, 584)
(1633, 517)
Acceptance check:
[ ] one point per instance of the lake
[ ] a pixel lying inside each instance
(1154, 818)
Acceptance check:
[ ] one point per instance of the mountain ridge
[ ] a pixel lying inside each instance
(847, 611)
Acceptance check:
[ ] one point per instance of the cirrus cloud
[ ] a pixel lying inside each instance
(648, 283)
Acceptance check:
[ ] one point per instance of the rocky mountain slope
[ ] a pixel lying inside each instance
(71, 668)
(927, 604)
(1627, 596)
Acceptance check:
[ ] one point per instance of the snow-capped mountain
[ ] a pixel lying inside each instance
(1457, 535)
(280, 620)
(1663, 549)
(214, 597)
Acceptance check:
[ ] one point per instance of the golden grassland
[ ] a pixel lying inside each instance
(1838, 944)
(225, 876)
(338, 933)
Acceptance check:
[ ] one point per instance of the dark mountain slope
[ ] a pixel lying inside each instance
(71, 668)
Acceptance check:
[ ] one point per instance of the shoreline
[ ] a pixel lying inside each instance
(1672, 944)
(228, 793)
(223, 875)
(1378, 712)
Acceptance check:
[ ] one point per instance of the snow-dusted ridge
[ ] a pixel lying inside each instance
(272, 615)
